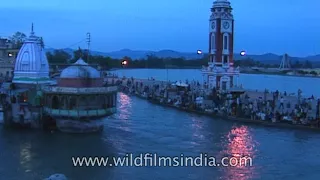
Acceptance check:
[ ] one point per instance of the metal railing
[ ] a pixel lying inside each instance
(80, 90)
(80, 113)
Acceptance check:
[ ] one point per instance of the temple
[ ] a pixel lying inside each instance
(80, 101)
(31, 66)
(76, 102)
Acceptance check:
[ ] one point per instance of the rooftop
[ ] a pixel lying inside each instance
(80, 69)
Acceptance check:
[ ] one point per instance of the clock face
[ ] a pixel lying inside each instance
(213, 25)
(226, 25)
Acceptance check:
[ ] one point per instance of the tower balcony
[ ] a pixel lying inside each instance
(220, 70)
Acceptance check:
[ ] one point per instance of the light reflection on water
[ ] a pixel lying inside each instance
(124, 109)
(197, 129)
(26, 156)
(239, 143)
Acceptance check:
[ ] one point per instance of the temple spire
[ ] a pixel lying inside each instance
(32, 32)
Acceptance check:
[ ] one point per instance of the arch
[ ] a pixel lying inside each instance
(213, 42)
(106, 100)
(225, 59)
(55, 102)
(109, 100)
(225, 82)
(95, 101)
(48, 99)
(72, 103)
(101, 99)
(114, 100)
(83, 102)
(64, 102)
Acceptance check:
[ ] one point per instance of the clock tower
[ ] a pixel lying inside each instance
(220, 73)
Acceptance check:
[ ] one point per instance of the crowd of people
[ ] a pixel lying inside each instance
(269, 106)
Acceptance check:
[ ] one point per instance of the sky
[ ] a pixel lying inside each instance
(263, 26)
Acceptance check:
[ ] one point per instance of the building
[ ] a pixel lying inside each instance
(8, 54)
(220, 73)
(24, 103)
(77, 102)
(31, 66)
(80, 101)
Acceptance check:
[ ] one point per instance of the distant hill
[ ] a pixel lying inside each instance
(268, 58)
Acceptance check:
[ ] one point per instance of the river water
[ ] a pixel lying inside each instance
(141, 127)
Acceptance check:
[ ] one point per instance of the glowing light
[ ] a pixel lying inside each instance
(243, 53)
(199, 52)
(124, 62)
(10, 55)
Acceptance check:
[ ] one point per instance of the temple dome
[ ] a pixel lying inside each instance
(31, 65)
(80, 69)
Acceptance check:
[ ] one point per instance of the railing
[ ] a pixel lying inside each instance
(80, 113)
(80, 90)
(223, 69)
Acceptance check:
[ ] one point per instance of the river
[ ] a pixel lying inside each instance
(141, 127)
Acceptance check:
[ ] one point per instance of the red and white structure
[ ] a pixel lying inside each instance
(220, 73)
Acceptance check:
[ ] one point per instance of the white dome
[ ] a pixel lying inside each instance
(31, 65)
(80, 69)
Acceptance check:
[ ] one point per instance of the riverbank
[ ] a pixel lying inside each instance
(241, 70)
(287, 125)
(258, 109)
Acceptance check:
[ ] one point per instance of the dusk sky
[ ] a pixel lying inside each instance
(261, 26)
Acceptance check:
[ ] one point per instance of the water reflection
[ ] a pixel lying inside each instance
(239, 143)
(197, 133)
(26, 157)
(121, 123)
(124, 107)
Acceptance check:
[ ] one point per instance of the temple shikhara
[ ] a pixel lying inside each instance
(220, 73)
(31, 65)
(77, 102)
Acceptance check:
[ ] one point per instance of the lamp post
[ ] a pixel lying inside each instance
(124, 64)
(167, 73)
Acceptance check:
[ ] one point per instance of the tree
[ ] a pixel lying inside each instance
(314, 73)
(17, 39)
(58, 57)
(80, 53)
(307, 64)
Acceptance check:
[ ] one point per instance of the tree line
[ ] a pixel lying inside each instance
(151, 61)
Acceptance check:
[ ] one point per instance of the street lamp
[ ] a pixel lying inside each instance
(243, 53)
(124, 62)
